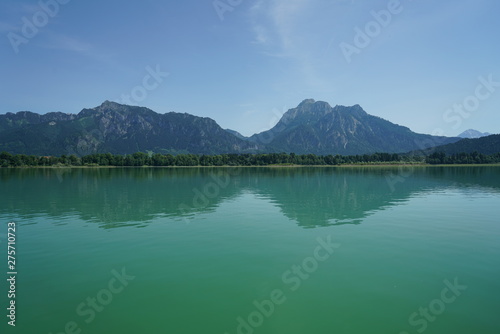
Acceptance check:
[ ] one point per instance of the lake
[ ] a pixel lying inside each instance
(253, 250)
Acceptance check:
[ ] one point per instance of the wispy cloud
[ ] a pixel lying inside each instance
(261, 35)
(284, 14)
(80, 48)
(274, 22)
(67, 43)
(282, 30)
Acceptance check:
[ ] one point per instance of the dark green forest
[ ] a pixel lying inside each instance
(140, 159)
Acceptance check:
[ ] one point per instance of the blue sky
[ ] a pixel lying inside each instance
(430, 65)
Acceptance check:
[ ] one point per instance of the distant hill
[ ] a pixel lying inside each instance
(117, 129)
(485, 145)
(316, 127)
(471, 134)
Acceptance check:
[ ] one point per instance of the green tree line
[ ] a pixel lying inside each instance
(462, 158)
(157, 159)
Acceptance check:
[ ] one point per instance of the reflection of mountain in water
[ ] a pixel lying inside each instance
(111, 197)
(325, 196)
(311, 196)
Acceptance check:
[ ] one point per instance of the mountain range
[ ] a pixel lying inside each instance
(312, 127)
(117, 129)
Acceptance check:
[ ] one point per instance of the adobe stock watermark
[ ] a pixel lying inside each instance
(223, 6)
(211, 190)
(420, 320)
(372, 29)
(90, 307)
(403, 173)
(292, 279)
(151, 81)
(454, 116)
(31, 26)
(460, 111)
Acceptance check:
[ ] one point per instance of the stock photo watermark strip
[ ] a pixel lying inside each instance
(11, 273)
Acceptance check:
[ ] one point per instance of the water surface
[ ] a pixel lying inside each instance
(245, 250)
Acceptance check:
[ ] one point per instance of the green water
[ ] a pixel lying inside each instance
(253, 250)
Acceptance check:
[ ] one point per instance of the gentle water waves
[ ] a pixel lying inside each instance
(253, 250)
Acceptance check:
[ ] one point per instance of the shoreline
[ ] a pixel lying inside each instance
(269, 166)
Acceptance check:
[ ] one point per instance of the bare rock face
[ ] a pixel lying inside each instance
(316, 127)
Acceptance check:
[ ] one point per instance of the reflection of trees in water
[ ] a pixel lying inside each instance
(313, 197)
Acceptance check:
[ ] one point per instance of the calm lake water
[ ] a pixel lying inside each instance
(253, 250)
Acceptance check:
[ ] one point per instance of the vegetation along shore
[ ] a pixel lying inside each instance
(271, 159)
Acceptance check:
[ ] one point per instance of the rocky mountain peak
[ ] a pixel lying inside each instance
(306, 102)
(471, 133)
(111, 106)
